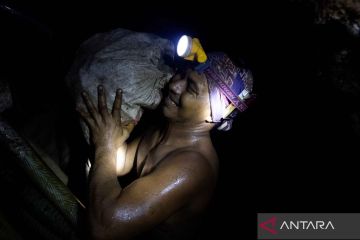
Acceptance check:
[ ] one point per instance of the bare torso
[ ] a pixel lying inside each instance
(150, 153)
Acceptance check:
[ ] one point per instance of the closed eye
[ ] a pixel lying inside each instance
(191, 87)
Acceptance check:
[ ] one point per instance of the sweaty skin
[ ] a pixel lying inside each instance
(176, 166)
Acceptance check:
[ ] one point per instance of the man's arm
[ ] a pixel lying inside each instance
(109, 137)
(124, 212)
(148, 201)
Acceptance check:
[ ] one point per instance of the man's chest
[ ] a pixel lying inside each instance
(150, 158)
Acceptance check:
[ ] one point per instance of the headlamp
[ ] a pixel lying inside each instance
(191, 49)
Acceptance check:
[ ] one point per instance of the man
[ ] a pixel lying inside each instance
(177, 166)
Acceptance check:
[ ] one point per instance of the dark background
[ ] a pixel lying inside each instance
(295, 150)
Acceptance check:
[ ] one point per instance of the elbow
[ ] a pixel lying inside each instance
(106, 228)
(113, 222)
(97, 230)
(99, 226)
(102, 232)
(97, 233)
(106, 233)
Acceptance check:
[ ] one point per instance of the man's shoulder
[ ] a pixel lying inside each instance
(188, 160)
(188, 154)
(192, 170)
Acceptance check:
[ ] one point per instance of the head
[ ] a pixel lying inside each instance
(213, 97)
(188, 98)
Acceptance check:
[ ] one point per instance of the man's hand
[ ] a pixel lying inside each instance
(107, 131)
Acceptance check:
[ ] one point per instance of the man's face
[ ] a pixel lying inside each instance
(188, 98)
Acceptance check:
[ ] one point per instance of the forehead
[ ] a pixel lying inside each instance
(200, 81)
(194, 76)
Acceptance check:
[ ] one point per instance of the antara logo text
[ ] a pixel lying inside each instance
(271, 226)
(306, 225)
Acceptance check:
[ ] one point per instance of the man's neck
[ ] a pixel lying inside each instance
(179, 134)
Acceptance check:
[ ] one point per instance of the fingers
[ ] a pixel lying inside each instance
(86, 116)
(116, 111)
(102, 102)
(91, 107)
(101, 114)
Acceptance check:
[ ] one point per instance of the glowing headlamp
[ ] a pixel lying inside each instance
(191, 49)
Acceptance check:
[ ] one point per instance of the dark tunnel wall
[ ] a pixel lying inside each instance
(294, 151)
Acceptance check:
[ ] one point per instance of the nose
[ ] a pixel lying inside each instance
(177, 84)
